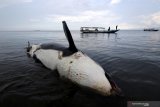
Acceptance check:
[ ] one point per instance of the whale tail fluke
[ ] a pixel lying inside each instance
(72, 46)
(28, 47)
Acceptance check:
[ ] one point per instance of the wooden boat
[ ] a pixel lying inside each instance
(97, 30)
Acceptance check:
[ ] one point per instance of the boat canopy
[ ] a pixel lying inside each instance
(97, 30)
(92, 28)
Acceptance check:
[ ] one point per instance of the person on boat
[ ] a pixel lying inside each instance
(81, 29)
(116, 27)
(109, 29)
(96, 30)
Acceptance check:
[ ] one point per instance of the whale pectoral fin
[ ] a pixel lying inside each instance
(115, 89)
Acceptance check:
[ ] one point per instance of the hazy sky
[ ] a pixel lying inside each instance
(48, 14)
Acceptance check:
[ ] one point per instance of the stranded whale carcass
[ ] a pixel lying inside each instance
(74, 65)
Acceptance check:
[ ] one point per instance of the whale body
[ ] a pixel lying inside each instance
(74, 65)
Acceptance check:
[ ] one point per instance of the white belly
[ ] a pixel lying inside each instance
(49, 58)
(78, 68)
(82, 70)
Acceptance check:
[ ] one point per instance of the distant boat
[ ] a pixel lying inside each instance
(97, 30)
(151, 29)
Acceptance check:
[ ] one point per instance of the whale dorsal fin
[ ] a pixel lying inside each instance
(72, 46)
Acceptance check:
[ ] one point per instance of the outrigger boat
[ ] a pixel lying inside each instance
(97, 30)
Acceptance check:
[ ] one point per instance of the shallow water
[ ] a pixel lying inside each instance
(131, 57)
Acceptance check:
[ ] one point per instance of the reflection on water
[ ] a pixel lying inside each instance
(131, 57)
(84, 35)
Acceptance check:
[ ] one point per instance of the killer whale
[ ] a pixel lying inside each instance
(74, 65)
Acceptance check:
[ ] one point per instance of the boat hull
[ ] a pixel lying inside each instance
(151, 30)
(111, 31)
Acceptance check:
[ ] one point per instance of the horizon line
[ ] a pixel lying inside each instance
(57, 30)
